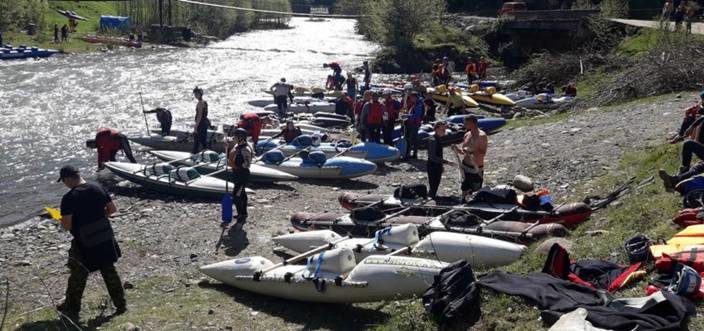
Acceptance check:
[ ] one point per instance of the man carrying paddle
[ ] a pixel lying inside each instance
(472, 151)
(239, 158)
(84, 212)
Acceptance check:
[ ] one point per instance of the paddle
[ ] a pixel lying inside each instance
(257, 275)
(226, 215)
(141, 101)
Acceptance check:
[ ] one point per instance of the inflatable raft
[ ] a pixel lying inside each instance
(544, 101)
(317, 166)
(305, 107)
(332, 276)
(97, 39)
(569, 215)
(23, 52)
(373, 152)
(176, 142)
(444, 246)
(436, 94)
(211, 161)
(343, 224)
(165, 178)
(269, 101)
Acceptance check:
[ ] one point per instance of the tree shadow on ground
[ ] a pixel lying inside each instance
(309, 316)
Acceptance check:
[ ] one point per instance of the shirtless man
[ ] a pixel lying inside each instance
(473, 150)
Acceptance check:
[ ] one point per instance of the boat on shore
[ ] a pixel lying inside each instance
(8, 52)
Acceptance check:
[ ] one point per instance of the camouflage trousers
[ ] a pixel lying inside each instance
(77, 283)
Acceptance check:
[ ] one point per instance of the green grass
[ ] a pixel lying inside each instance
(45, 35)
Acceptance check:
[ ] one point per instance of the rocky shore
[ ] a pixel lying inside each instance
(164, 239)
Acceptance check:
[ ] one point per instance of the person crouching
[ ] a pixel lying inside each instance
(109, 142)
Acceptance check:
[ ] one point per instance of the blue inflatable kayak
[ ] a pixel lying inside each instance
(23, 52)
(373, 152)
(316, 165)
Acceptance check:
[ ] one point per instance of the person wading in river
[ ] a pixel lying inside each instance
(84, 212)
(472, 151)
(281, 91)
(435, 158)
(239, 158)
(200, 129)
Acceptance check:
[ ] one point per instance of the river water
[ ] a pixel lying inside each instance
(50, 107)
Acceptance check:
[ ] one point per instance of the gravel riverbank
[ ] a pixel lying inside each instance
(164, 239)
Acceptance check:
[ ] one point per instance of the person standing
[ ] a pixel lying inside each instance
(373, 118)
(56, 33)
(200, 128)
(482, 67)
(109, 142)
(367, 75)
(358, 107)
(239, 158)
(471, 70)
(351, 86)
(472, 151)
(414, 111)
(281, 91)
(391, 110)
(64, 33)
(84, 213)
(435, 158)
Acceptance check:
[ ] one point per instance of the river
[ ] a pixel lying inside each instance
(51, 106)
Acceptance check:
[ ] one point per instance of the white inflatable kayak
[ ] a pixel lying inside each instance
(210, 161)
(309, 107)
(332, 276)
(165, 178)
(480, 252)
(300, 99)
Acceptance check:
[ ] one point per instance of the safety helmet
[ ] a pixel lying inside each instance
(686, 281)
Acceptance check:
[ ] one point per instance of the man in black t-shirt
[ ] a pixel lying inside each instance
(84, 212)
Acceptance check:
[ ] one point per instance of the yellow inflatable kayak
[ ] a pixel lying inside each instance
(442, 98)
(489, 96)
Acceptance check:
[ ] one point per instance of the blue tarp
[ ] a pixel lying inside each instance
(114, 23)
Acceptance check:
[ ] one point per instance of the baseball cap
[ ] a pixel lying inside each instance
(67, 171)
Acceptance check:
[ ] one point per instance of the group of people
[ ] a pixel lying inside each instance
(476, 70)
(681, 11)
(690, 132)
(64, 33)
(337, 81)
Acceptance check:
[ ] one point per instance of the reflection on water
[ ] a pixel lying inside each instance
(50, 107)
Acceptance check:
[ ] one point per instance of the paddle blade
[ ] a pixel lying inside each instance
(54, 213)
(226, 208)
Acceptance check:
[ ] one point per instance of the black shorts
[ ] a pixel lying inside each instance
(472, 181)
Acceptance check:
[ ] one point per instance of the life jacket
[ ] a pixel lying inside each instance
(244, 151)
(689, 216)
(392, 107)
(471, 69)
(376, 113)
(358, 105)
(108, 141)
(289, 135)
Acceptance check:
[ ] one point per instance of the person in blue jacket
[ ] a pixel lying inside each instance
(415, 109)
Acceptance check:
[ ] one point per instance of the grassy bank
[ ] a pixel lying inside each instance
(45, 27)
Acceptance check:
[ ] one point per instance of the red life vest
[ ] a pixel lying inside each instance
(693, 257)
(108, 141)
(376, 113)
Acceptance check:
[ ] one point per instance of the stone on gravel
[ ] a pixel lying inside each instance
(127, 285)
(130, 327)
(211, 311)
(23, 263)
(544, 247)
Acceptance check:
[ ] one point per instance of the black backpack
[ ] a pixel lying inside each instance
(414, 191)
(498, 194)
(454, 298)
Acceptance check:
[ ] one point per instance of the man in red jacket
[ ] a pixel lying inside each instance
(373, 117)
(109, 142)
(253, 124)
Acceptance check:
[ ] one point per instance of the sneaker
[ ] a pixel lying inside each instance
(666, 180)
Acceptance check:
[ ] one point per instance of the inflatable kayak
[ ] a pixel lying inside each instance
(165, 178)
(23, 52)
(96, 39)
(444, 246)
(691, 236)
(269, 101)
(469, 102)
(569, 215)
(373, 152)
(71, 14)
(332, 276)
(309, 107)
(178, 142)
(495, 99)
(344, 224)
(317, 166)
(543, 101)
(309, 91)
(210, 161)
